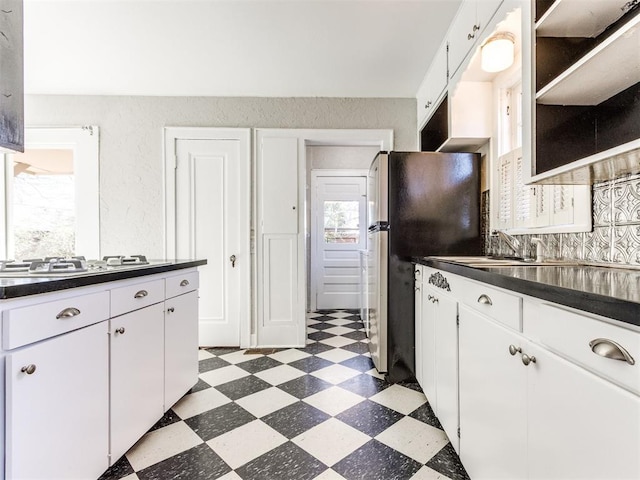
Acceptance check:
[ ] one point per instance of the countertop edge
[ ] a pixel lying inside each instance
(610, 307)
(46, 285)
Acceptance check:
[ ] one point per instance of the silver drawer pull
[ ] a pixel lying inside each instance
(513, 349)
(120, 330)
(610, 349)
(68, 313)
(184, 283)
(141, 294)
(432, 299)
(29, 369)
(526, 359)
(171, 310)
(485, 300)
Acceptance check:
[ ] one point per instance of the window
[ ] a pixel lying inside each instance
(50, 195)
(341, 222)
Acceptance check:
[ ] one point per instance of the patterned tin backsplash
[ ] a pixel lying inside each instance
(616, 228)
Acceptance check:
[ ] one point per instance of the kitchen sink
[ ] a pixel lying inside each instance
(505, 262)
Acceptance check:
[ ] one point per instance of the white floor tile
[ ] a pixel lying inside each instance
(279, 374)
(414, 438)
(239, 357)
(230, 476)
(311, 330)
(133, 476)
(311, 322)
(337, 341)
(339, 321)
(245, 443)
(329, 474)
(223, 375)
(203, 354)
(337, 355)
(161, 444)
(399, 398)
(426, 473)
(289, 355)
(333, 400)
(331, 441)
(266, 401)
(341, 315)
(335, 373)
(198, 402)
(338, 330)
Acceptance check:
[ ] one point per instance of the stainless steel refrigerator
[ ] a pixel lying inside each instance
(420, 204)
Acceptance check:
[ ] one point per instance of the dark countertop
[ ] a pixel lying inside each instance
(21, 286)
(610, 292)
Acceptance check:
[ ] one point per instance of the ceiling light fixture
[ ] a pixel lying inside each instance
(497, 52)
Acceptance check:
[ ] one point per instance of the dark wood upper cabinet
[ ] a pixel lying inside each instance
(11, 75)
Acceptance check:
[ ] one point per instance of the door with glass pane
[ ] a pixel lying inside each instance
(338, 233)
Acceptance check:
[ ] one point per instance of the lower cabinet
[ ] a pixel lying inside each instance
(180, 346)
(137, 375)
(525, 412)
(57, 410)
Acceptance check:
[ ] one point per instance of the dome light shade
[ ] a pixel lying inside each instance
(498, 52)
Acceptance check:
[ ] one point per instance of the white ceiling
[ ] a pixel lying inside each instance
(317, 48)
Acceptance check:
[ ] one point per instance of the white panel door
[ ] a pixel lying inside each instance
(338, 231)
(209, 224)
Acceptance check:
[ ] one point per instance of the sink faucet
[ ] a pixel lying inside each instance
(512, 242)
(540, 248)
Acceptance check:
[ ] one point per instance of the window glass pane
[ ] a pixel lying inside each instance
(341, 222)
(43, 204)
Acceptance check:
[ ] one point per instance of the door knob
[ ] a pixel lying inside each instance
(232, 258)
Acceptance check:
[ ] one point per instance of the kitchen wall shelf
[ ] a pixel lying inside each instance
(620, 53)
(579, 18)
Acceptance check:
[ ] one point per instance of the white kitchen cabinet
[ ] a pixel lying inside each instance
(428, 345)
(433, 85)
(57, 416)
(180, 346)
(465, 31)
(137, 375)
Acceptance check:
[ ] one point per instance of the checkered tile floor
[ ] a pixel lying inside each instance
(318, 412)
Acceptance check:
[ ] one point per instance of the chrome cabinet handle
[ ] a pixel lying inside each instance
(29, 369)
(610, 349)
(141, 294)
(120, 330)
(513, 349)
(428, 104)
(171, 310)
(184, 283)
(432, 299)
(526, 359)
(68, 313)
(485, 300)
(232, 259)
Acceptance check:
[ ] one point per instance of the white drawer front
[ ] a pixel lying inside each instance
(21, 326)
(182, 283)
(497, 304)
(570, 334)
(133, 297)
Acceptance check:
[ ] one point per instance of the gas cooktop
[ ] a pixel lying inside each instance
(61, 266)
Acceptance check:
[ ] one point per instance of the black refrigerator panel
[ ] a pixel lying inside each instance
(434, 204)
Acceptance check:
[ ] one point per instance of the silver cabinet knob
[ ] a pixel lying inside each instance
(526, 359)
(610, 349)
(120, 330)
(171, 310)
(68, 313)
(232, 259)
(141, 294)
(513, 349)
(29, 369)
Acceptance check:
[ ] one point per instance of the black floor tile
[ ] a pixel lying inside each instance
(118, 470)
(167, 419)
(209, 364)
(197, 463)
(447, 462)
(201, 385)
(317, 336)
(425, 414)
(322, 325)
(322, 318)
(222, 350)
(370, 417)
(361, 363)
(376, 461)
(357, 347)
(311, 364)
(295, 419)
(354, 316)
(327, 311)
(303, 387)
(286, 462)
(364, 385)
(220, 420)
(259, 364)
(242, 387)
(354, 325)
(316, 348)
(356, 335)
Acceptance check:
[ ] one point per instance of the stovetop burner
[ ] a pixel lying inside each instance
(62, 265)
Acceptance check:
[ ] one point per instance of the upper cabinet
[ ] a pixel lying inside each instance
(11, 77)
(586, 90)
(433, 85)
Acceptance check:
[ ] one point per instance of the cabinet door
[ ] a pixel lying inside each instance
(434, 84)
(428, 347)
(137, 375)
(492, 399)
(418, 322)
(58, 417)
(580, 426)
(181, 346)
(446, 329)
(462, 35)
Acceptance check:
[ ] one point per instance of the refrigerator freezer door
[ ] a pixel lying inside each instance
(377, 302)
(378, 187)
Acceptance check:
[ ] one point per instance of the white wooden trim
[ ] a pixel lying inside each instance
(243, 135)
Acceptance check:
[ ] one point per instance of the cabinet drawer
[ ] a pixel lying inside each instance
(21, 326)
(570, 335)
(133, 297)
(500, 306)
(179, 284)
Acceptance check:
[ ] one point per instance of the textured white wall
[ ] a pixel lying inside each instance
(131, 162)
